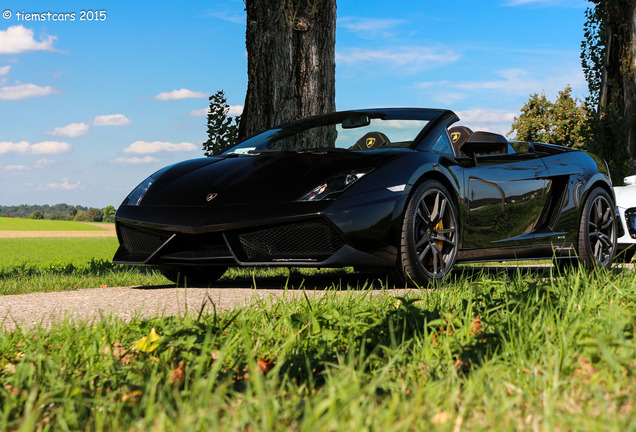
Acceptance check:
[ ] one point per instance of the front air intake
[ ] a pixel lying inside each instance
(315, 240)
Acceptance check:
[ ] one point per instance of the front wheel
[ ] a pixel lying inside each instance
(191, 275)
(597, 230)
(429, 235)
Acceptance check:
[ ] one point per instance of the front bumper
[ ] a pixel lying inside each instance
(358, 231)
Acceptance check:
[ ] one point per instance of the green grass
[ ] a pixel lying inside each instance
(505, 351)
(55, 264)
(21, 224)
(46, 251)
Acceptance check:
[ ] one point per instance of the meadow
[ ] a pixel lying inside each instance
(488, 350)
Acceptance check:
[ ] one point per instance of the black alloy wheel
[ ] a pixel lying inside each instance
(429, 235)
(597, 231)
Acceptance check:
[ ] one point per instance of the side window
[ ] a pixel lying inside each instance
(442, 145)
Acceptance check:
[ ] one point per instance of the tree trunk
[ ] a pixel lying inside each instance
(290, 61)
(629, 89)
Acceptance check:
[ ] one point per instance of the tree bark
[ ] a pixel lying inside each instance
(629, 89)
(290, 61)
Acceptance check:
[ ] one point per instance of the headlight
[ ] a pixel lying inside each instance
(135, 197)
(333, 186)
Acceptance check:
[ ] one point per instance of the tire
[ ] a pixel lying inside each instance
(429, 236)
(597, 230)
(185, 276)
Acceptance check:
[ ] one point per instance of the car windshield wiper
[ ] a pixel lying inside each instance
(274, 150)
(323, 150)
(299, 151)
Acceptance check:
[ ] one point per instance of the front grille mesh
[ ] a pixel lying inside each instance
(309, 240)
(140, 242)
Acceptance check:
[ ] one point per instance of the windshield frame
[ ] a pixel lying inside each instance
(258, 142)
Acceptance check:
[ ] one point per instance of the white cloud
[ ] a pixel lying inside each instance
(42, 163)
(485, 120)
(509, 83)
(24, 91)
(18, 39)
(135, 160)
(24, 147)
(15, 168)
(63, 184)
(407, 60)
(4, 70)
(550, 3)
(72, 130)
(143, 147)
(370, 27)
(180, 94)
(111, 120)
(236, 18)
(235, 110)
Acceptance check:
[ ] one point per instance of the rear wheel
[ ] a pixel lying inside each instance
(192, 276)
(429, 235)
(597, 231)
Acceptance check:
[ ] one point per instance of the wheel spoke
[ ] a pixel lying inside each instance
(444, 239)
(421, 243)
(424, 252)
(428, 216)
(599, 210)
(608, 223)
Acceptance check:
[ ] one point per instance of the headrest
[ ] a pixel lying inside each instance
(459, 134)
(485, 143)
(370, 140)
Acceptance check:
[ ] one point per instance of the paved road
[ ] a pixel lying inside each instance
(28, 310)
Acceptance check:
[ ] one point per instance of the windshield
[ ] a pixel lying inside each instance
(355, 133)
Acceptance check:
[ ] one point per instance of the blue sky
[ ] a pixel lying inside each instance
(88, 109)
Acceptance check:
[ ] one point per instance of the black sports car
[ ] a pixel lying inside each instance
(398, 189)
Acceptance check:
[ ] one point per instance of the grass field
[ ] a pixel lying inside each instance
(487, 351)
(21, 224)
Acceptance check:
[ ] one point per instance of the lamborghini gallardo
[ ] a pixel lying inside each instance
(401, 189)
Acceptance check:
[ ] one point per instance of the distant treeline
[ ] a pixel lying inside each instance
(59, 212)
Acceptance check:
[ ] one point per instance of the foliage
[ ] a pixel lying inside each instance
(109, 214)
(55, 212)
(222, 129)
(607, 63)
(562, 122)
(491, 352)
(36, 215)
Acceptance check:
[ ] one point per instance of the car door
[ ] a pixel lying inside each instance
(504, 195)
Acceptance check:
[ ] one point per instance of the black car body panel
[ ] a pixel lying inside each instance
(255, 204)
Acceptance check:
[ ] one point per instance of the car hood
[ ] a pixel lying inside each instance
(278, 177)
(625, 196)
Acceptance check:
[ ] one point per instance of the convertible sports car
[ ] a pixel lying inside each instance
(399, 189)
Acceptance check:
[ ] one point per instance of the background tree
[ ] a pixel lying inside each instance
(563, 122)
(290, 61)
(222, 129)
(609, 62)
(109, 214)
(36, 215)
